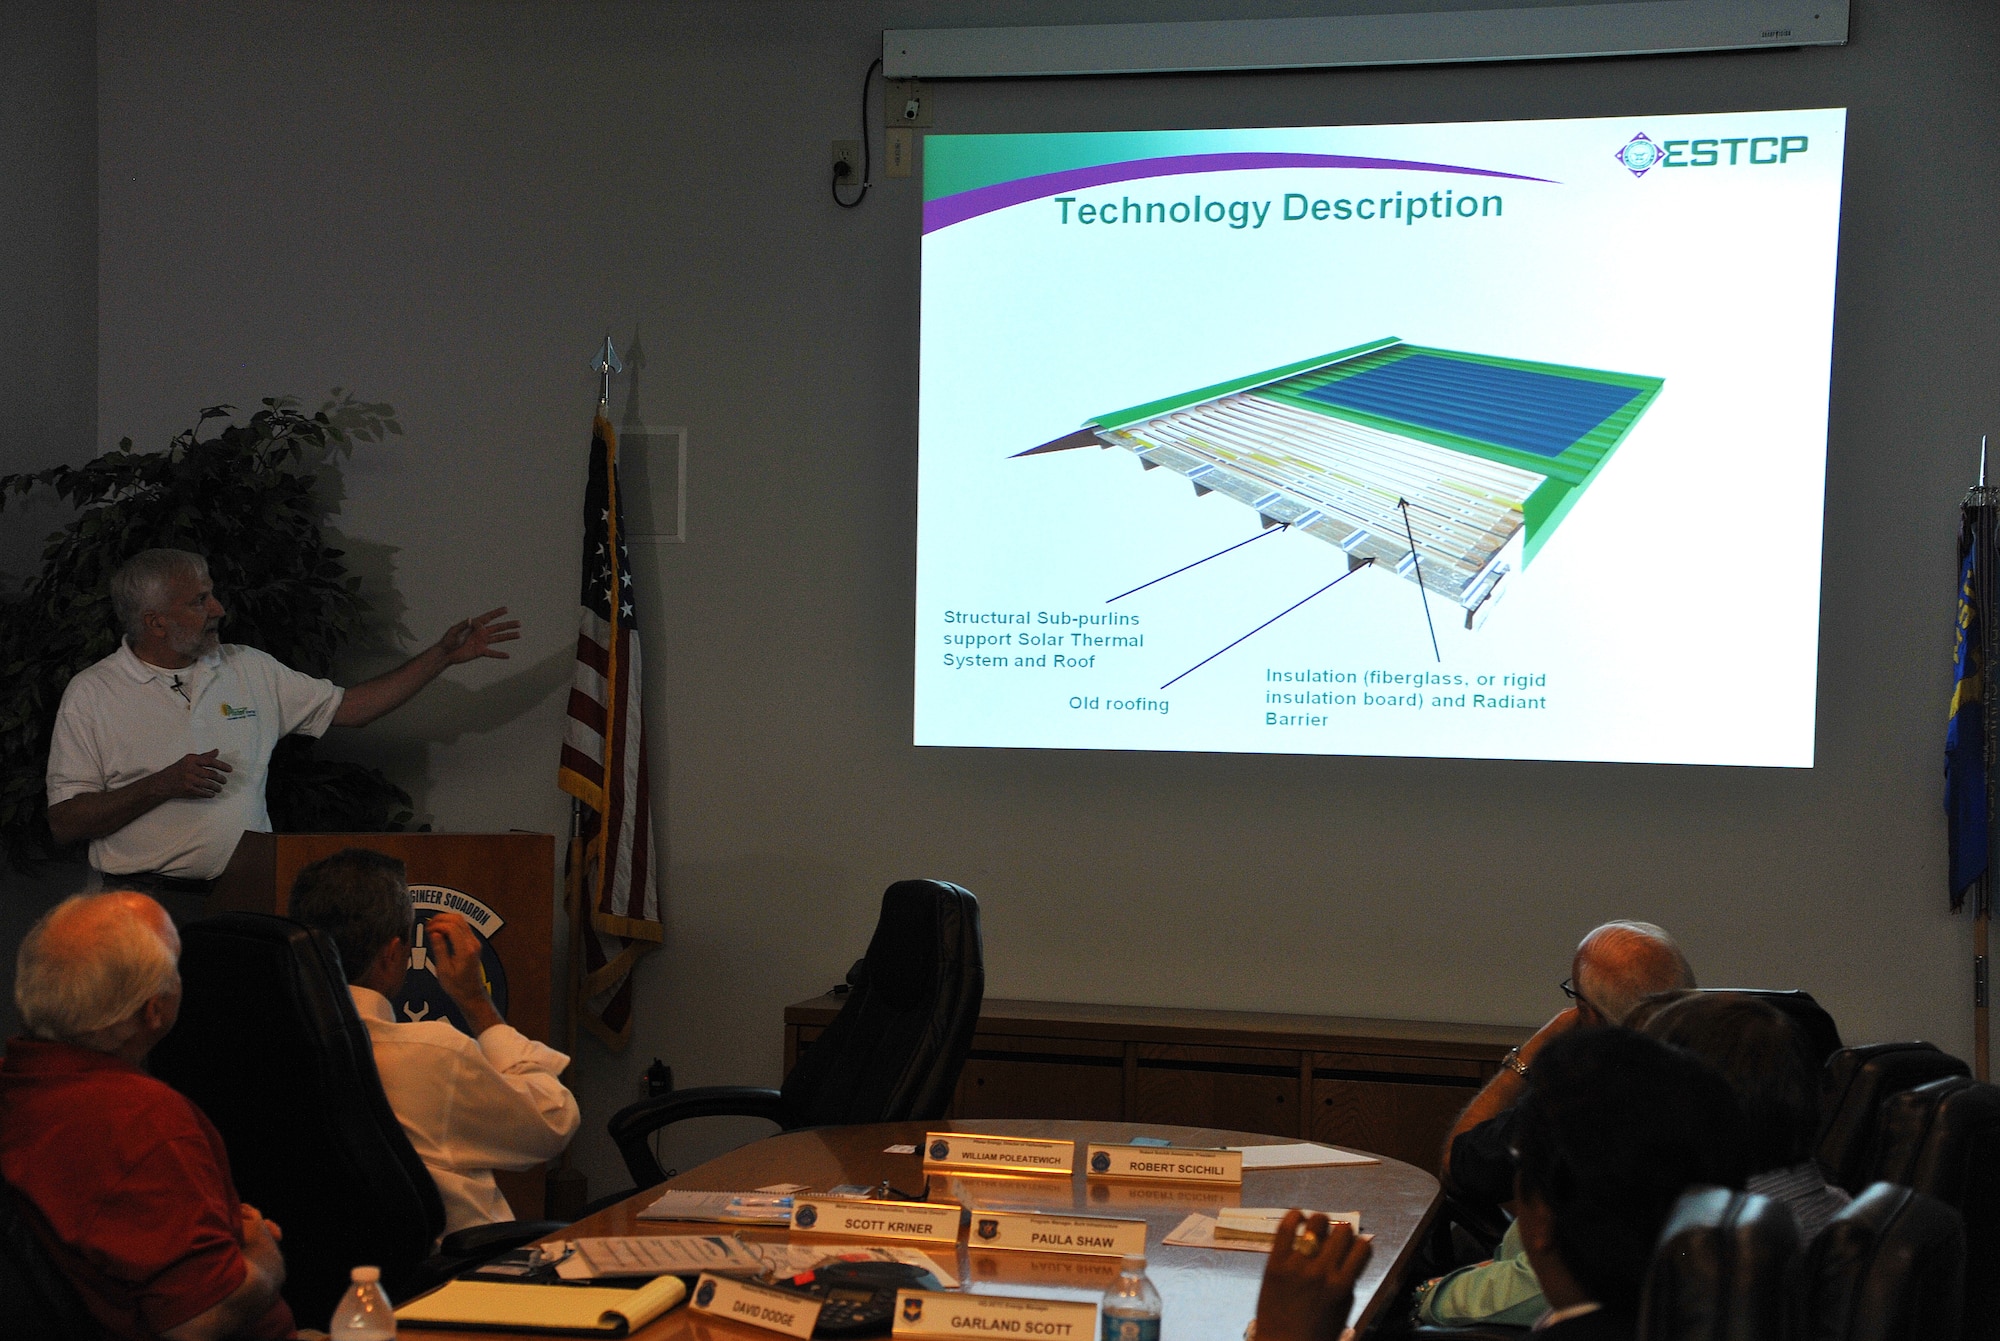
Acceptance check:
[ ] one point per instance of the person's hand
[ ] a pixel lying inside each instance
(260, 1242)
(453, 948)
(193, 777)
(1308, 1287)
(470, 639)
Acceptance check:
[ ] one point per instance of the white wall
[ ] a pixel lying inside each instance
(445, 206)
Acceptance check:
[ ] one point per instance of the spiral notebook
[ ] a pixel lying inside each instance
(569, 1310)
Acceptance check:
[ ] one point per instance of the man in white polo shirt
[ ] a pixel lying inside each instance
(160, 749)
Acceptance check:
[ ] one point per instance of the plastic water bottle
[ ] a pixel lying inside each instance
(1131, 1309)
(365, 1315)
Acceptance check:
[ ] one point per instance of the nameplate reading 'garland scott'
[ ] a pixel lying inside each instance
(935, 1313)
(756, 1305)
(1027, 1231)
(855, 1217)
(967, 1153)
(1169, 1162)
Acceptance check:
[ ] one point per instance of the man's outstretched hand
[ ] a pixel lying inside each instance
(470, 639)
(1309, 1280)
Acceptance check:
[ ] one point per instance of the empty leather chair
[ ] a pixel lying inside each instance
(1943, 1139)
(1720, 1270)
(1890, 1267)
(892, 1054)
(1856, 1082)
(36, 1300)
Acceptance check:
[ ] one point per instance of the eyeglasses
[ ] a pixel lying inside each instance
(1568, 986)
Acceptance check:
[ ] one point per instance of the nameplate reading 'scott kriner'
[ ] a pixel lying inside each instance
(1176, 1163)
(936, 1313)
(1029, 1231)
(915, 1221)
(757, 1305)
(997, 1154)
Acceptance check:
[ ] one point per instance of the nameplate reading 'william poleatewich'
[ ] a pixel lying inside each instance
(915, 1221)
(967, 1153)
(757, 1305)
(1171, 1162)
(936, 1313)
(1027, 1231)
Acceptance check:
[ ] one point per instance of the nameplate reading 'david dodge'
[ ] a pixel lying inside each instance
(914, 1221)
(757, 1305)
(934, 1313)
(967, 1153)
(1175, 1163)
(1026, 1231)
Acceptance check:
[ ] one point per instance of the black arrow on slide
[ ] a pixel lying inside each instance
(1282, 526)
(1268, 623)
(1404, 504)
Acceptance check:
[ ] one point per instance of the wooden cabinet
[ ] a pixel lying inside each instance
(1388, 1086)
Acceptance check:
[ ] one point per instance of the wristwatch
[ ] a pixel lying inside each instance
(1512, 1062)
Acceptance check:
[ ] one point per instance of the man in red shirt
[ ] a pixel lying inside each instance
(126, 1183)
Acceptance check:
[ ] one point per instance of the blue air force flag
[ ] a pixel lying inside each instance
(1965, 735)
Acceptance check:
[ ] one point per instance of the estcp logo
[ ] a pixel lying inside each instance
(1099, 1162)
(808, 1217)
(939, 1150)
(706, 1294)
(1639, 155)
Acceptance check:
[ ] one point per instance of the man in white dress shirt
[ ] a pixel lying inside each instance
(160, 749)
(470, 1104)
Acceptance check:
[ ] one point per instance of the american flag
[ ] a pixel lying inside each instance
(611, 867)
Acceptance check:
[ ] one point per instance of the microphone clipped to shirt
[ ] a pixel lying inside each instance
(182, 692)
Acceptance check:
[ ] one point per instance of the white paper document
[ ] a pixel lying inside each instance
(659, 1255)
(740, 1208)
(1299, 1155)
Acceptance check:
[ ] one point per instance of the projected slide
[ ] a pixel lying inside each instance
(1494, 440)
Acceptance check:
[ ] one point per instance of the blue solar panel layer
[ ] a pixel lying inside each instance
(1533, 412)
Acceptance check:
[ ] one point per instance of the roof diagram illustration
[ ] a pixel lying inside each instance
(1488, 453)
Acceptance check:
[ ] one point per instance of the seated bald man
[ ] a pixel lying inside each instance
(125, 1182)
(1615, 967)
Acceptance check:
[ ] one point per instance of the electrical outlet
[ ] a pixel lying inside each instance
(906, 102)
(898, 148)
(847, 162)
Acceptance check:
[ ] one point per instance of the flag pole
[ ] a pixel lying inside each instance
(1982, 504)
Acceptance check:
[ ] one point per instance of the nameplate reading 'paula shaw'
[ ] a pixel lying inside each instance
(854, 1217)
(756, 1305)
(1167, 1162)
(935, 1313)
(967, 1153)
(1026, 1231)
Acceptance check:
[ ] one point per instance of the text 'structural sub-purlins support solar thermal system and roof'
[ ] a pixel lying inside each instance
(1490, 454)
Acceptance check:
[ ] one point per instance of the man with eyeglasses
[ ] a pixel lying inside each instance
(1614, 967)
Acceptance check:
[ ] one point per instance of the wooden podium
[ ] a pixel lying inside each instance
(510, 875)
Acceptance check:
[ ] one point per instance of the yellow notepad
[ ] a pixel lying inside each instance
(585, 1310)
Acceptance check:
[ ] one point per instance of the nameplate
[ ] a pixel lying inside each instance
(758, 1305)
(997, 1154)
(1170, 1163)
(1025, 1231)
(936, 1313)
(912, 1221)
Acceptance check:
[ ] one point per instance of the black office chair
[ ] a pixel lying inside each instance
(270, 1047)
(1720, 1270)
(1887, 1268)
(1854, 1087)
(1943, 1139)
(36, 1300)
(892, 1054)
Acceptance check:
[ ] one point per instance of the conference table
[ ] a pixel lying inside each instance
(1208, 1293)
